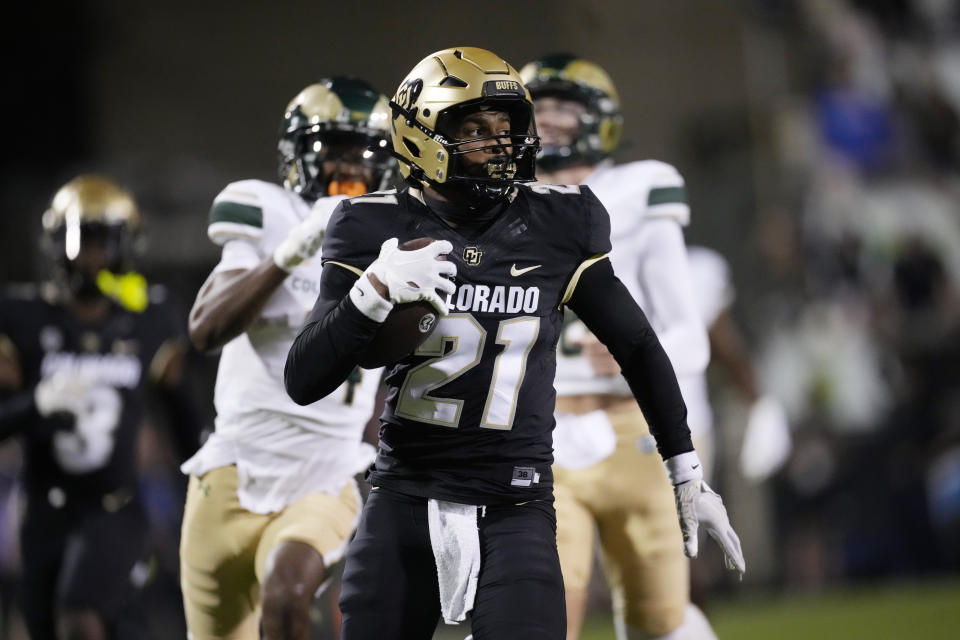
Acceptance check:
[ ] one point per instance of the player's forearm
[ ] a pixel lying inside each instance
(607, 308)
(229, 302)
(732, 353)
(184, 414)
(330, 343)
(654, 385)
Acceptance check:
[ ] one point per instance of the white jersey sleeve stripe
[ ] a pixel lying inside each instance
(221, 232)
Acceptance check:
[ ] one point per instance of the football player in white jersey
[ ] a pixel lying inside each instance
(766, 439)
(272, 499)
(602, 447)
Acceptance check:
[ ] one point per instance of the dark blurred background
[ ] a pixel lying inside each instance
(820, 141)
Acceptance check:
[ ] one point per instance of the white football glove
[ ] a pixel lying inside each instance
(303, 241)
(408, 275)
(61, 392)
(698, 504)
(766, 440)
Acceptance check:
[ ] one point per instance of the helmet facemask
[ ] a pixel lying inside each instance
(587, 144)
(480, 185)
(568, 78)
(357, 162)
(334, 140)
(80, 252)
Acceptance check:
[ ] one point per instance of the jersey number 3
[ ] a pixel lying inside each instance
(457, 346)
(89, 445)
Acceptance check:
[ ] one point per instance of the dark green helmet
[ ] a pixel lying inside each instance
(335, 120)
(569, 77)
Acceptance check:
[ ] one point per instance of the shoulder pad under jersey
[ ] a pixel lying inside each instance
(359, 226)
(645, 189)
(238, 211)
(576, 212)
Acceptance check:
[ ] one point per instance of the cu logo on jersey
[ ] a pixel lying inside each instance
(472, 255)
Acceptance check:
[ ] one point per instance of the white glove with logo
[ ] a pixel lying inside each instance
(408, 275)
(96, 410)
(303, 241)
(698, 504)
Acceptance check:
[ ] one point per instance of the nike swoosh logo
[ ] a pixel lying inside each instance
(519, 272)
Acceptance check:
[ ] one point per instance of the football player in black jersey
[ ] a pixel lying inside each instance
(74, 364)
(461, 517)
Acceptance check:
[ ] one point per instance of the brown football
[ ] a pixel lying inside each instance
(406, 328)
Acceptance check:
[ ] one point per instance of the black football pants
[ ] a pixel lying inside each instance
(390, 587)
(81, 557)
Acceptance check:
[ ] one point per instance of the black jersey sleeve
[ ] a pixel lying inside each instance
(597, 220)
(348, 241)
(603, 303)
(9, 314)
(17, 412)
(330, 343)
(17, 408)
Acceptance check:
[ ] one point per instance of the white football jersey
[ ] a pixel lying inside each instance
(711, 281)
(282, 450)
(646, 201)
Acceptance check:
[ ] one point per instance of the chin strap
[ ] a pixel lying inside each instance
(416, 172)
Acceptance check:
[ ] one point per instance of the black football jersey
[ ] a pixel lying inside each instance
(117, 356)
(469, 415)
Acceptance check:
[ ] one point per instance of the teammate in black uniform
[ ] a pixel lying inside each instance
(74, 364)
(463, 486)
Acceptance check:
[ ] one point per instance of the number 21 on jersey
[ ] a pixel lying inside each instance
(456, 347)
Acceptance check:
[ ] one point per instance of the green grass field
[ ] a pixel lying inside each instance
(928, 611)
(923, 612)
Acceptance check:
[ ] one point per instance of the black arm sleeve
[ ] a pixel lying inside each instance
(187, 421)
(603, 303)
(17, 412)
(330, 343)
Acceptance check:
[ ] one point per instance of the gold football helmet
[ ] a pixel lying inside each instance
(568, 77)
(340, 120)
(434, 97)
(91, 209)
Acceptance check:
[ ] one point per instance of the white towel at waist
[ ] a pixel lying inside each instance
(279, 461)
(581, 441)
(455, 540)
